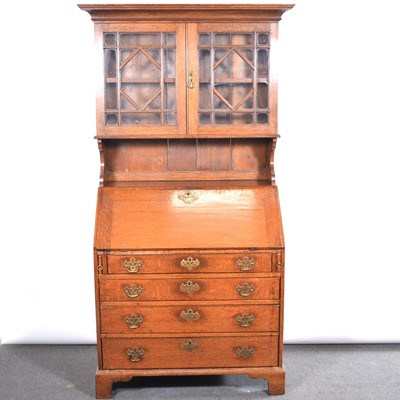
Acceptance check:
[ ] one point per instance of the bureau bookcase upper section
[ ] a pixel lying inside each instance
(186, 71)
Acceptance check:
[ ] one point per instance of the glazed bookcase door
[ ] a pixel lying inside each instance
(231, 80)
(142, 87)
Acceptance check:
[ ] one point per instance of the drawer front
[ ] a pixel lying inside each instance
(197, 352)
(189, 263)
(189, 288)
(183, 318)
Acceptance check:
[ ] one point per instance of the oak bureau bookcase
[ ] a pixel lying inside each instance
(188, 248)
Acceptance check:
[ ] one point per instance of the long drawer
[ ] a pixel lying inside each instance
(198, 352)
(189, 262)
(189, 288)
(196, 318)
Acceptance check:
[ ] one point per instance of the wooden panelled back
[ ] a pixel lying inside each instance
(188, 159)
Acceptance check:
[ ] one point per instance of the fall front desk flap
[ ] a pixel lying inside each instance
(161, 218)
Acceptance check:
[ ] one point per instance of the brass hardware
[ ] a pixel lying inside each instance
(132, 265)
(188, 197)
(278, 265)
(135, 354)
(191, 83)
(245, 290)
(245, 320)
(190, 315)
(189, 287)
(133, 290)
(133, 321)
(190, 263)
(189, 345)
(99, 266)
(244, 352)
(245, 263)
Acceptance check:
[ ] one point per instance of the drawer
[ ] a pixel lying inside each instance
(189, 262)
(197, 352)
(195, 318)
(189, 287)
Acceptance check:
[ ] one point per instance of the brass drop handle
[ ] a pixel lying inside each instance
(132, 265)
(133, 321)
(191, 83)
(135, 354)
(133, 290)
(245, 290)
(190, 263)
(245, 320)
(189, 287)
(190, 345)
(189, 315)
(245, 263)
(244, 352)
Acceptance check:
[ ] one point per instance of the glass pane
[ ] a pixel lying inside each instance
(141, 119)
(236, 96)
(262, 64)
(204, 96)
(204, 65)
(262, 38)
(262, 119)
(221, 39)
(262, 95)
(169, 63)
(133, 89)
(111, 96)
(169, 119)
(235, 79)
(169, 96)
(110, 64)
(111, 119)
(233, 119)
(110, 39)
(205, 39)
(233, 64)
(140, 96)
(134, 39)
(205, 119)
(136, 64)
(169, 39)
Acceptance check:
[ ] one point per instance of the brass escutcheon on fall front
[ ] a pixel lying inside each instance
(244, 352)
(132, 265)
(133, 290)
(190, 263)
(189, 287)
(245, 290)
(135, 354)
(190, 315)
(245, 320)
(245, 263)
(190, 345)
(188, 197)
(133, 321)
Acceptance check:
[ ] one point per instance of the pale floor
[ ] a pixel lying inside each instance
(323, 372)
